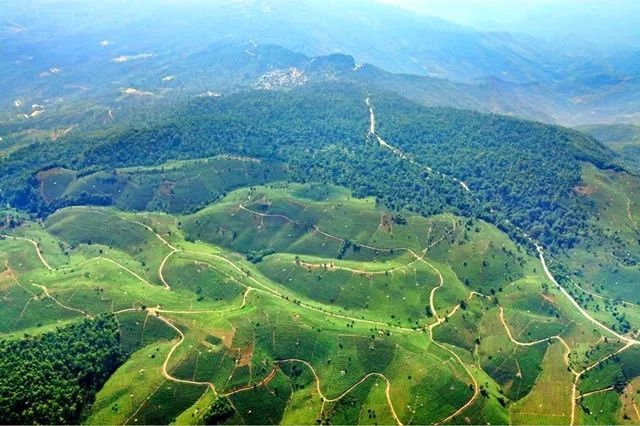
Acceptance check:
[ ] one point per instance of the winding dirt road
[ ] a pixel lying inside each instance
(398, 152)
(37, 247)
(584, 313)
(439, 320)
(165, 373)
(326, 399)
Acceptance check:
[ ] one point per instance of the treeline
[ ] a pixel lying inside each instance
(518, 170)
(50, 379)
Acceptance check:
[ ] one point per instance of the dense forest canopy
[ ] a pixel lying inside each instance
(321, 132)
(50, 379)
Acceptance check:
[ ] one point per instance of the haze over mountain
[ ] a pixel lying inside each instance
(540, 81)
(585, 25)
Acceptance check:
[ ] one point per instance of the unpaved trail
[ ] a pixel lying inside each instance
(276, 293)
(372, 118)
(262, 382)
(147, 227)
(373, 133)
(578, 376)
(119, 265)
(165, 373)
(330, 266)
(150, 229)
(173, 249)
(584, 313)
(567, 351)
(336, 238)
(476, 388)
(610, 388)
(541, 257)
(367, 246)
(432, 294)
(516, 342)
(161, 268)
(333, 237)
(281, 216)
(398, 152)
(326, 399)
(601, 297)
(37, 247)
(267, 289)
(45, 290)
(439, 320)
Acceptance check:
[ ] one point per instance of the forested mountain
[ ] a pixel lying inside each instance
(320, 132)
(51, 378)
(313, 212)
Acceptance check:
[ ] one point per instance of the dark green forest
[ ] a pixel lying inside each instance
(50, 379)
(320, 133)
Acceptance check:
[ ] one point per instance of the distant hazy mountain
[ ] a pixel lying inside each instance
(167, 49)
(587, 25)
(387, 36)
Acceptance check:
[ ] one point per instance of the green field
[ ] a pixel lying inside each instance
(301, 303)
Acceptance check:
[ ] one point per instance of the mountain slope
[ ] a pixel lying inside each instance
(473, 333)
(320, 132)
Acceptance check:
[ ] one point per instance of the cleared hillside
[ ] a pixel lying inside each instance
(301, 303)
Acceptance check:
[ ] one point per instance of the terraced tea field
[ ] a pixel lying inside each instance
(303, 304)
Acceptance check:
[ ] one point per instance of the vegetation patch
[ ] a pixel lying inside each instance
(58, 372)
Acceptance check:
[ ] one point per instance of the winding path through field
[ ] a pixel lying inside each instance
(37, 247)
(269, 290)
(165, 373)
(584, 313)
(331, 266)
(629, 341)
(45, 290)
(326, 399)
(540, 254)
(398, 152)
(118, 264)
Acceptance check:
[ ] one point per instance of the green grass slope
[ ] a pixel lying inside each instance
(302, 303)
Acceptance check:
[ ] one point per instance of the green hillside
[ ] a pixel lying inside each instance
(320, 212)
(329, 255)
(319, 133)
(301, 303)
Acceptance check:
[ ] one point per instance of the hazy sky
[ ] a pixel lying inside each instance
(604, 23)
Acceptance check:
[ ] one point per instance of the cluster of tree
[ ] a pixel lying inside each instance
(256, 256)
(49, 379)
(219, 411)
(10, 218)
(519, 171)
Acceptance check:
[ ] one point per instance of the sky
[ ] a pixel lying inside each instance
(599, 23)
